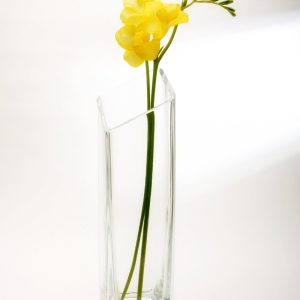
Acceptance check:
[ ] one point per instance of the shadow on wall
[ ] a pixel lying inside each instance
(255, 8)
(204, 21)
(276, 173)
(244, 238)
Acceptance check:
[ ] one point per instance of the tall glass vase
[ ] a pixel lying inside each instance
(136, 192)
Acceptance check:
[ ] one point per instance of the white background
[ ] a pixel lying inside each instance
(237, 82)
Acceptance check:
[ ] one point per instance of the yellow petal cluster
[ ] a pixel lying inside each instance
(146, 22)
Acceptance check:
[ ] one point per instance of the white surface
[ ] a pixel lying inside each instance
(238, 148)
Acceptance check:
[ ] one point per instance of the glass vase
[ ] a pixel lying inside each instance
(137, 218)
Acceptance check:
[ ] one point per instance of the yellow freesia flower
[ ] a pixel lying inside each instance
(146, 23)
(137, 5)
(169, 15)
(139, 41)
(133, 7)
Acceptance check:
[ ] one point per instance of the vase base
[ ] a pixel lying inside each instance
(147, 295)
(144, 298)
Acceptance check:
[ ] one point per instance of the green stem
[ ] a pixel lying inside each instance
(148, 84)
(184, 7)
(144, 220)
(148, 181)
(147, 199)
(167, 46)
(154, 77)
(209, 2)
(147, 192)
(216, 2)
(137, 244)
(149, 167)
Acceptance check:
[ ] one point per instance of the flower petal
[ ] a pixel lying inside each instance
(137, 5)
(151, 25)
(171, 15)
(151, 8)
(126, 13)
(173, 12)
(180, 19)
(125, 37)
(135, 19)
(162, 14)
(149, 50)
(131, 4)
(133, 59)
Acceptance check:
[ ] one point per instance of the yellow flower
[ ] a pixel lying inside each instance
(132, 7)
(137, 5)
(138, 41)
(169, 15)
(146, 23)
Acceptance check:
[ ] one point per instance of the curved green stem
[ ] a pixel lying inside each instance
(167, 46)
(145, 213)
(216, 2)
(144, 221)
(186, 6)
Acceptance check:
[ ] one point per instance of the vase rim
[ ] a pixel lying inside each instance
(171, 98)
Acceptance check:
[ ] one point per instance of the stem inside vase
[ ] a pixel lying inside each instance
(144, 219)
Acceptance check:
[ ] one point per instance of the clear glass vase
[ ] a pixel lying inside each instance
(137, 235)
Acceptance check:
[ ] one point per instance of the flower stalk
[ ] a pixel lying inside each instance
(216, 2)
(146, 23)
(144, 219)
